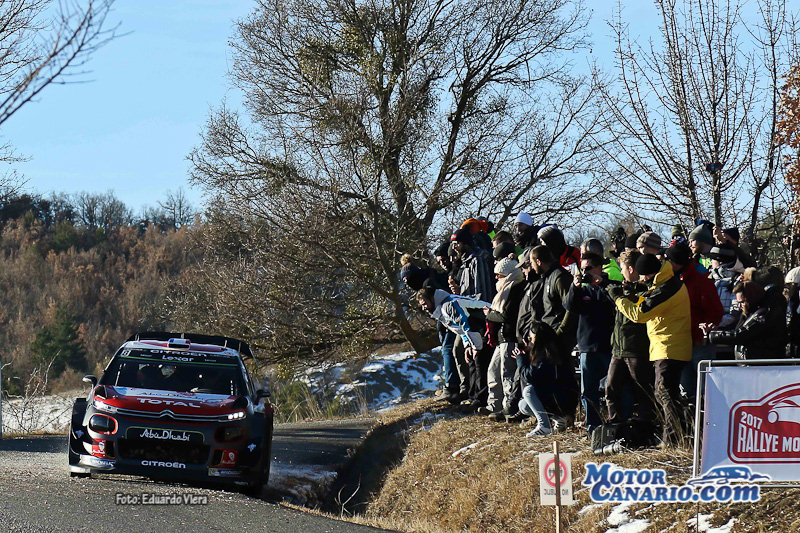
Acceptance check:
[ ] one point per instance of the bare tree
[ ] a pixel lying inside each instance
(44, 42)
(177, 209)
(104, 211)
(374, 125)
(693, 128)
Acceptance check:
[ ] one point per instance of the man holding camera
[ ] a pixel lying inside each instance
(588, 299)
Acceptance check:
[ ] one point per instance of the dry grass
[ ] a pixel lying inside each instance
(493, 487)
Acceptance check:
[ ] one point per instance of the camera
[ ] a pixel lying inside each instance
(586, 277)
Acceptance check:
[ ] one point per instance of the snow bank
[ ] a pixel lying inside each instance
(382, 382)
(621, 519)
(39, 414)
(703, 523)
(302, 485)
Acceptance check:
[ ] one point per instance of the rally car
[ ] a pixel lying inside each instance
(176, 406)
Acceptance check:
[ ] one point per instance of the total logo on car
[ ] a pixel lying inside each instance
(174, 405)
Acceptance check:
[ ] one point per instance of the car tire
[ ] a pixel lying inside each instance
(255, 487)
(74, 445)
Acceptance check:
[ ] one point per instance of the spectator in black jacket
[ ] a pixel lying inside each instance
(630, 350)
(544, 300)
(550, 392)
(589, 300)
(761, 333)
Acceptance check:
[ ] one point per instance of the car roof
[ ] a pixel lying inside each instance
(197, 342)
(191, 347)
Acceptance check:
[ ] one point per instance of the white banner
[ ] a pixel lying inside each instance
(752, 418)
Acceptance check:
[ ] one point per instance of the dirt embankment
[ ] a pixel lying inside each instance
(430, 468)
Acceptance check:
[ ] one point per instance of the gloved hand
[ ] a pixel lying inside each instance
(615, 291)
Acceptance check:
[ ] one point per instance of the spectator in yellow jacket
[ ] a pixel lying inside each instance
(665, 310)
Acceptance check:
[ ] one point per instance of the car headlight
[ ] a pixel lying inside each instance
(102, 406)
(236, 416)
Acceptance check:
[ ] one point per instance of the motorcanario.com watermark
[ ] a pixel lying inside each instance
(609, 483)
(153, 498)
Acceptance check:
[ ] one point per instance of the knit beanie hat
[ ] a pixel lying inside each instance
(414, 276)
(650, 239)
(723, 253)
(475, 225)
(552, 237)
(462, 235)
(630, 241)
(506, 266)
(702, 234)
(524, 218)
(679, 253)
(647, 264)
(677, 229)
(504, 249)
(733, 233)
(793, 276)
(442, 250)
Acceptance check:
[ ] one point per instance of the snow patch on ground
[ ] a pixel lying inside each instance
(40, 414)
(465, 449)
(589, 508)
(382, 382)
(703, 523)
(621, 519)
(303, 485)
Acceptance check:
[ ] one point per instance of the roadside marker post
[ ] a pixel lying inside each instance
(557, 466)
(555, 480)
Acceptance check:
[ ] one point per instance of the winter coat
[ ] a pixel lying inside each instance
(506, 312)
(454, 312)
(628, 339)
(745, 258)
(666, 310)
(477, 275)
(704, 299)
(570, 256)
(612, 270)
(544, 302)
(725, 279)
(761, 334)
(702, 263)
(595, 311)
(555, 385)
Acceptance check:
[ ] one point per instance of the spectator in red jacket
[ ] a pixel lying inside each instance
(706, 308)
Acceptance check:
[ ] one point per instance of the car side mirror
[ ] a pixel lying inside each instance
(261, 393)
(90, 379)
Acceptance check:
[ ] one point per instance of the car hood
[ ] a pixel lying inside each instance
(156, 401)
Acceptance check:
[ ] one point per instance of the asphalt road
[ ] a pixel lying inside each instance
(37, 494)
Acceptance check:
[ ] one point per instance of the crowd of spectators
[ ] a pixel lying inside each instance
(535, 331)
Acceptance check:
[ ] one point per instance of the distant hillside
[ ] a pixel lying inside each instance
(74, 284)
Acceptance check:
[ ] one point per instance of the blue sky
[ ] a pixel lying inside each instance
(149, 92)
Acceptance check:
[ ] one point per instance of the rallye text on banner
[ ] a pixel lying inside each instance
(176, 406)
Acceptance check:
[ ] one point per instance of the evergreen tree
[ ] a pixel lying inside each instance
(58, 343)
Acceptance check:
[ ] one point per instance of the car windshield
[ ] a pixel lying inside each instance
(195, 377)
